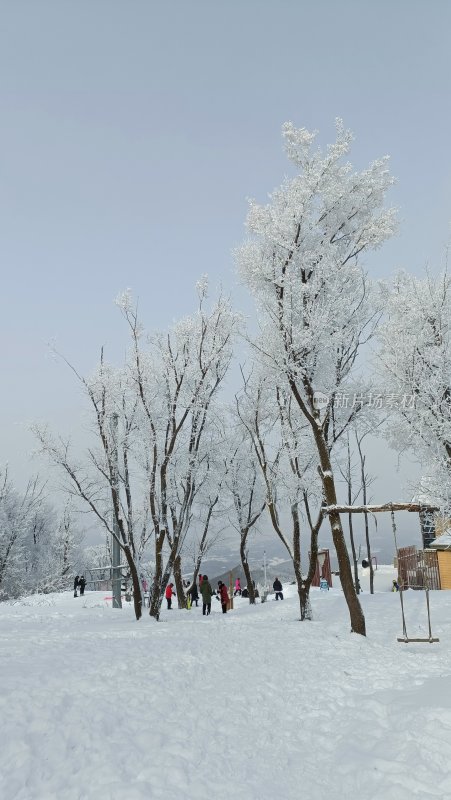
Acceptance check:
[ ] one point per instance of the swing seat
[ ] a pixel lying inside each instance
(407, 640)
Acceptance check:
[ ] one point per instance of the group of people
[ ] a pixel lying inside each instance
(79, 584)
(206, 591)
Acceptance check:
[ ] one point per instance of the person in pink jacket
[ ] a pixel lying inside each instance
(237, 588)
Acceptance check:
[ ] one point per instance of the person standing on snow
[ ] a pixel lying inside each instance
(193, 593)
(169, 594)
(82, 584)
(76, 585)
(223, 596)
(207, 593)
(237, 587)
(277, 586)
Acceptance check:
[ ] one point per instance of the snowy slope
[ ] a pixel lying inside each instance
(252, 704)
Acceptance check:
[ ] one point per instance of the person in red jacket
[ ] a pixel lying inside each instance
(223, 596)
(169, 593)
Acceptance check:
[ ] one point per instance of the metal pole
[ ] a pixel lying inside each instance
(116, 560)
(264, 567)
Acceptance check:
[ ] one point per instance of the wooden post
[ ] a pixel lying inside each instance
(230, 603)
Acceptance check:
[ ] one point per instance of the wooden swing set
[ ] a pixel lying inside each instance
(392, 507)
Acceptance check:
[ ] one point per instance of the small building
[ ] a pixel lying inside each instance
(323, 571)
(442, 546)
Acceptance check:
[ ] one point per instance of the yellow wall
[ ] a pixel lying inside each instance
(444, 565)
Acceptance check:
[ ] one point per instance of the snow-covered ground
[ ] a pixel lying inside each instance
(253, 704)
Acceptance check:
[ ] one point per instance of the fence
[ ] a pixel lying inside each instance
(418, 569)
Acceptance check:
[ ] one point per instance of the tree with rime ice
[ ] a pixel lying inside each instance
(356, 488)
(106, 478)
(287, 464)
(37, 546)
(247, 492)
(143, 471)
(206, 521)
(19, 515)
(177, 378)
(415, 361)
(302, 263)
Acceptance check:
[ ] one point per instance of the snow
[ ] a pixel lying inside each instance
(252, 703)
(443, 541)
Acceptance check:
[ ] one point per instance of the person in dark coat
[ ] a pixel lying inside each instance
(169, 594)
(277, 586)
(193, 593)
(207, 593)
(82, 584)
(223, 596)
(76, 585)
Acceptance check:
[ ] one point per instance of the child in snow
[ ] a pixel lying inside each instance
(223, 596)
(277, 586)
(76, 585)
(169, 594)
(237, 587)
(193, 594)
(82, 584)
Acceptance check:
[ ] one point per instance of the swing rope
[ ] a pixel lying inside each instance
(405, 638)
(404, 627)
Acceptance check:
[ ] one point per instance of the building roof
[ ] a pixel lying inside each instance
(442, 542)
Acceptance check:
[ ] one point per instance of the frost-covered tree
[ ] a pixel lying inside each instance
(288, 468)
(151, 420)
(415, 357)
(206, 523)
(302, 263)
(37, 549)
(17, 513)
(177, 377)
(357, 486)
(247, 491)
(103, 479)
(54, 548)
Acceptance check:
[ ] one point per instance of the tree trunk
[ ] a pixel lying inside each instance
(195, 573)
(179, 588)
(355, 609)
(162, 576)
(155, 599)
(137, 596)
(302, 586)
(246, 570)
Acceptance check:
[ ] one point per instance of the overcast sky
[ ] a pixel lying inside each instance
(133, 132)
